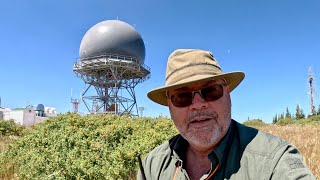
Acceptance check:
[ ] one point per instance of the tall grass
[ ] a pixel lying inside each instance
(4, 142)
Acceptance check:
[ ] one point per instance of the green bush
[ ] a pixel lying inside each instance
(90, 147)
(311, 120)
(314, 118)
(285, 121)
(10, 128)
(254, 123)
(304, 121)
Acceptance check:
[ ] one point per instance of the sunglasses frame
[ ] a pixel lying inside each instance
(200, 93)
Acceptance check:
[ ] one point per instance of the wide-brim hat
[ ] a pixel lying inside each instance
(190, 66)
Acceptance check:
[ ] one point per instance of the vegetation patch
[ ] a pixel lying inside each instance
(285, 121)
(90, 147)
(105, 146)
(10, 128)
(254, 123)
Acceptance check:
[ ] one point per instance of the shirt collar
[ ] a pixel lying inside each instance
(180, 147)
(219, 154)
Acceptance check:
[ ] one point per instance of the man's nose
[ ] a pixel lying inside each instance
(198, 102)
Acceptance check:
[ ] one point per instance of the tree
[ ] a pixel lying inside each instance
(288, 115)
(281, 116)
(299, 113)
(275, 119)
(318, 112)
(302, 114)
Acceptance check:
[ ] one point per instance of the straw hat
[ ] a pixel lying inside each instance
(190, 66)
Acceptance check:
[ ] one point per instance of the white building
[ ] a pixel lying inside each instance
(50, 111)
(26, 116)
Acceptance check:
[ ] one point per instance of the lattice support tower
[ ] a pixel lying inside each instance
(111, 75)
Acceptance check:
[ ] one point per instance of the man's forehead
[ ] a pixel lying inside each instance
(200, 85)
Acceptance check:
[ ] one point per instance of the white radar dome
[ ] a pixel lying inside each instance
(112, 37)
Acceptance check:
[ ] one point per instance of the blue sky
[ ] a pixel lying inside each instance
(273, 42)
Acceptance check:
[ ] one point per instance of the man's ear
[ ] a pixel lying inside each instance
(168, 101)
(228, 89)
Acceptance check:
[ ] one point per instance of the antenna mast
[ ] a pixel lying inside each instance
(141, 109)
(75, 103)
(311, 89)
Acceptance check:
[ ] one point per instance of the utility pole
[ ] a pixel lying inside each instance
(311, 91)
(141, 109)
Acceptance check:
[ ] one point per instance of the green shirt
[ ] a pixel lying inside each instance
(244, 153)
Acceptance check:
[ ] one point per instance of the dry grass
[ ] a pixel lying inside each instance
(9, 173)
(305, 137)
(4, 141)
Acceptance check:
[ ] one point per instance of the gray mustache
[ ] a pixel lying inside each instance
(195, 114)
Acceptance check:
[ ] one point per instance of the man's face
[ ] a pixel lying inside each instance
(202, 123)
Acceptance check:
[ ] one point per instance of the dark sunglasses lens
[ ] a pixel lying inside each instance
(182, 99)
(210, 93)
(213, 92)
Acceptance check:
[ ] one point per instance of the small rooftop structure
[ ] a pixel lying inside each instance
(40, 110)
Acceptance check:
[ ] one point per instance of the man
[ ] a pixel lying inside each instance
(211, 145)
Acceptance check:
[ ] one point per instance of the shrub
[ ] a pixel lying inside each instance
(91, 147)
(285, 121)
(254, 123)
(10, 128)
(314, 118)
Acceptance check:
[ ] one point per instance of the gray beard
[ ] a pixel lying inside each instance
(216, 132)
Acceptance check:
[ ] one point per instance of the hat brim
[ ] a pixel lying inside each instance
(158, 95)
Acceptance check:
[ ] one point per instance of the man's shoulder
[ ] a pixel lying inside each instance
(160, 162)
(164, 149)
(270, 155)
(266, 144)
(259, 142)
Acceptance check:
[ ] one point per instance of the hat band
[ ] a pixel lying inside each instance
(190, 71)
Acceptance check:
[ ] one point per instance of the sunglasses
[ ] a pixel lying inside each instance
(185, 98)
